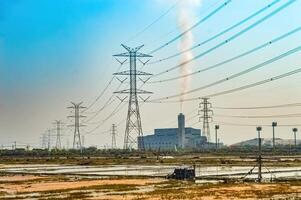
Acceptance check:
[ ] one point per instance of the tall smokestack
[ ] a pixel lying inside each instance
(181, 130)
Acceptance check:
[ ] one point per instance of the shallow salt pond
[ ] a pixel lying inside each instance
(150, 170)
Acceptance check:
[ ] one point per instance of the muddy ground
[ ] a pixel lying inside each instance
(71, 187)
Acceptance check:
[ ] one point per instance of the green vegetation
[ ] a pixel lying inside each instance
(283, 150)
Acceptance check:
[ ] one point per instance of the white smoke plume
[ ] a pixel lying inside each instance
(187, 15)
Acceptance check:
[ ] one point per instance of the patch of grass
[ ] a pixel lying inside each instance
(115, 188)
(77, 195)
(222, 190)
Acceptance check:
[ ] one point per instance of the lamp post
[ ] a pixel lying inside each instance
(216, 144)
(295, 130)
(274, 124)
(259, 129)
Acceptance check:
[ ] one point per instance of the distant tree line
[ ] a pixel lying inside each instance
(119, 153)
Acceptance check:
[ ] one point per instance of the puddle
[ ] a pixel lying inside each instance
(150, 170)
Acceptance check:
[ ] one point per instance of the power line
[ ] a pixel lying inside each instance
(87, 133)
(153, 22)
(294, 115)
(192, 27)
(111, 115)
(115, 111)
(106, 104)
(258, 66)
(257, 83)
(220, 33)
(105, 89)
(123, 120)
(176, 28)
(229, 39)
(248, 125)
(255, 125)
(238, 88)
(233, 58)
(101, 94)
(259, 107)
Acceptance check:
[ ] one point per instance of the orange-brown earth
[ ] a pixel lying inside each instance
(63, 187)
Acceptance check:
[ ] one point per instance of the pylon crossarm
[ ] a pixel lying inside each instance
(122, 55)
(142, 55)
(128, 91)
(137, 48)
(129, 72)
(127, 48)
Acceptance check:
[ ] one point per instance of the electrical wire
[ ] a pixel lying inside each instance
(235, 89)
(103, 91)
(101, 94)
(294, 115)
(154, 22)
(233, 76)
(220, 33)
(116, 110)
(259, 107)
(255, 125)
(107, 103)
(229, 39)
(176, 28)
(257, 83)
(192, 27)
(99, 133)
(233, 58)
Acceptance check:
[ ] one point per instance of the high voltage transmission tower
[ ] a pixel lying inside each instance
(58, 144)
(44, 141)
(77, 143)
(206, 116)
(113, 133)
(133, 123)
(48, 139)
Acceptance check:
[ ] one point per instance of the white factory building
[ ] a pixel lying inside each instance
(173, 138)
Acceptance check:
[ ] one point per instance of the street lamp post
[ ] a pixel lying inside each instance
(259, 129)
(216, 143)
(274, 124)
(295, 130)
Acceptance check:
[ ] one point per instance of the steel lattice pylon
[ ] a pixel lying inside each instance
(113, 132)
(58, 124)
(133, 129)
(206, 117)
(77, 143)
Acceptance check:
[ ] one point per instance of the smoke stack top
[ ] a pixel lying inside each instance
(181, 130)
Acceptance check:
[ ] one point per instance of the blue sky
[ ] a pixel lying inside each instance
(55, 51)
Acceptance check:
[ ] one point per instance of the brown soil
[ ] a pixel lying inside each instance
(54, 187)
(68, 185)
(16, 178)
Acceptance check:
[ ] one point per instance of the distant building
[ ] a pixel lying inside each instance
(174, 138)
(266, 142)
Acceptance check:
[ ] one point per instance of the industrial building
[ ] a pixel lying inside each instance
(174, 138)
